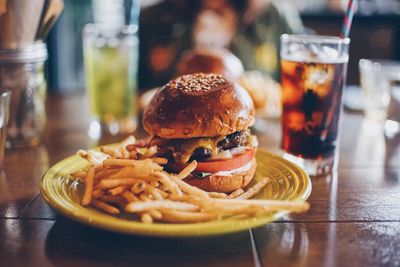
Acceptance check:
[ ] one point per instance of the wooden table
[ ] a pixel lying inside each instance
(354, 218)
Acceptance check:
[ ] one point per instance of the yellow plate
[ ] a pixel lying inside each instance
(289, 182)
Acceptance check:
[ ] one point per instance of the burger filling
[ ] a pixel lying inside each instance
(244, 168)
(205, 148)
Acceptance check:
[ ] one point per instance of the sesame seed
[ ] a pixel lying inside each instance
(198, 82)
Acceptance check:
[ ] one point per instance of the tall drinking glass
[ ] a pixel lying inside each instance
(313, 70)
(111, 59)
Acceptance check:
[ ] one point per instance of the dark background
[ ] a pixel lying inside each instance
(375, 33)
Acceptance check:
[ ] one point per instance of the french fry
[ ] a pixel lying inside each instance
(93, 157)
(131, 147)
(200, 202)
(151, 190)
(89, 181)
(161, 192)
(133, 172)
(129, 196)
(254, 189)
(98, 193)
(233, 206)
(217, 195)
(146, 218)
(133, 155)
(236, 193)
(176, 216)
(268, 205)
(230, 210)
(82, 153)
(146, 163)
(150, 152)
(111, 183)
(138, 187)
(130, 177)
(189, 188)
(155, 214)
(141, 151)
(144, 196)
(118, 190)
(81, 175)
(125, 154)
(187, 170)
(104, 207)
(122, 162)
(170, 185)
(105, 173)
(114, 199)
(154, 183)
(161, 161)
(109, 151)
(159, 204)
(99, 167)
(253, 206)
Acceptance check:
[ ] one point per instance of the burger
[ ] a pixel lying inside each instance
(204, 117)
(210, 60)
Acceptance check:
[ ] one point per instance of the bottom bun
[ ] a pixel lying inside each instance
(224, 183)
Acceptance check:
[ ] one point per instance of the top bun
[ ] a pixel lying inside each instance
(206, 60)
(198, 105)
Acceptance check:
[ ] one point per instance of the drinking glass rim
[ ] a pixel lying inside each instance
(5, 94)
(386, 67)
(102, 27)
(309, 38)
(381, 61)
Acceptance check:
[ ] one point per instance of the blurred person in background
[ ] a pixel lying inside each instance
(249, 28)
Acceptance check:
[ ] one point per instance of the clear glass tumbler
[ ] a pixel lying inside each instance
(111, 59)
(22, 72)
(313, 72)
(377, 78)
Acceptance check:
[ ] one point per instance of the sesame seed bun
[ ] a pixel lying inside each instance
(198, 105)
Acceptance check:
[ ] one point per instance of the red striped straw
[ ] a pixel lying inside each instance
(348, 19)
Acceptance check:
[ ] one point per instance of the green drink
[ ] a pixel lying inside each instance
(111, 67)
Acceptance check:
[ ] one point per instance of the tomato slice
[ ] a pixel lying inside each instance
(235, 162)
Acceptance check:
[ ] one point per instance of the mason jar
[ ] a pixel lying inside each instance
(22, 73)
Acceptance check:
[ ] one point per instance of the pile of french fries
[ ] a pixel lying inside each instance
(131, 178)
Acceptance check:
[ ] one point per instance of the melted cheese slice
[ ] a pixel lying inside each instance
(211, 143)
(189, 146)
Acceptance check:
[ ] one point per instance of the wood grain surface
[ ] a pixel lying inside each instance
(354, 218)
